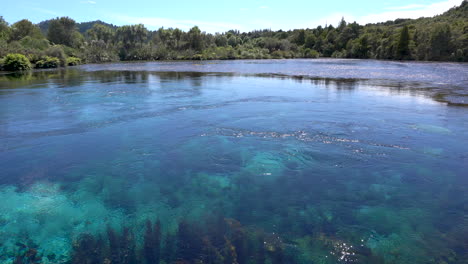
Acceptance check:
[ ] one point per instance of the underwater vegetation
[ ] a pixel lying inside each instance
(217, 241)
(247, 214)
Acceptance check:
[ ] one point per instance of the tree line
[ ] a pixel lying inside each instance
(441, 38)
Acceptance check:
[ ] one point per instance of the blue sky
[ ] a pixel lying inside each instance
(217, 16)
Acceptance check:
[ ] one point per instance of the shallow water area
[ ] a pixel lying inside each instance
(300, 161)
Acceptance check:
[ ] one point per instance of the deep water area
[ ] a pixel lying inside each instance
(235, 162)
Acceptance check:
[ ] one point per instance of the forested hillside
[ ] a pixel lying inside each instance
(441, 38)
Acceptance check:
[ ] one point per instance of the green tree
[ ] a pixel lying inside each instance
(125, 35)
(310, 41)
(361, 49)
(177, 36)
(63, 31)
(195, 39)
(234, 41)
(131, 35)
(141, 33)
(440, 42)
(346, 34)
(221, 40)
(4, 29)
(342, 25)
(100, 32)
(301, 37)
(403, 50)
(24, 28)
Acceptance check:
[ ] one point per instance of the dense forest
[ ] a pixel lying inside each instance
(62, 41)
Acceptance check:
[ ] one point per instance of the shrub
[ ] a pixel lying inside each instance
(310, 53)
(16, 62)
(48, 62)
(73, 61)
(57, 52)
(277, 54)
(34, 43)
(338, 54)
(197, 57)
(99, 51)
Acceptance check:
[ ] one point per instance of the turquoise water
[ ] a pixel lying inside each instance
(301, 161)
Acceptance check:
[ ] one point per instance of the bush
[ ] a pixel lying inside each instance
(278, 54)
(48, 62)
(73, 61)
(99, 51)
(34, 43)
(310, 53)
(57, 52)
(16, 62)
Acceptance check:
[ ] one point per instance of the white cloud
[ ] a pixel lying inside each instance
(414, 6)
(157, 22)
(410, 11)
(88, 2)
(389, 13)
(395, 12)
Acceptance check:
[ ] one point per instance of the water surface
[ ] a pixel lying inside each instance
(294, 161)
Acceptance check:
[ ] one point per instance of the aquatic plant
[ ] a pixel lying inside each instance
(27, 254)
(122, 247)
(88, 249)
(152, 242)
(189, 243)
(213, 242)
(311, 204)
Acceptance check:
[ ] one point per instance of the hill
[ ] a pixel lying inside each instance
(82, 27)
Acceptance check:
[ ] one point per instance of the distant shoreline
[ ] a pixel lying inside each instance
(289, 59)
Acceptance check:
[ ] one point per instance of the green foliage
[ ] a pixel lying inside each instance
(301, 37)
(73, 61)
(131, 36)
(310, 41)
(360, 47)
(99, 51)
(24, 28)
(440, 38)
(310, 53)
(221, 40)
(195, 39)
(47, 62)
(63, 31)
(440, 41)
(57, 52)
(403, 50)
(100, 32)
(34, 43)
(16, 62)
(4, 29)
(85, 26)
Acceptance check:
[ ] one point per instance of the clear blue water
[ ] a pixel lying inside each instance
(294, 161)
